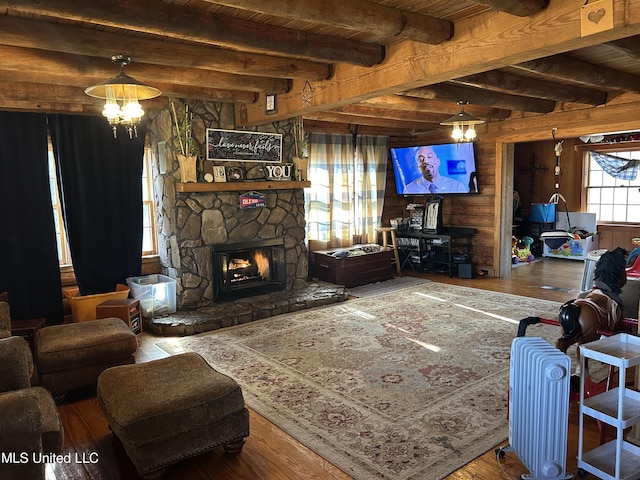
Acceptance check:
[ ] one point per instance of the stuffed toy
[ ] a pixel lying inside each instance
(521, 250)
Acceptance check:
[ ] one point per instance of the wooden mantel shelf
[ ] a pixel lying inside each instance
(238, 186)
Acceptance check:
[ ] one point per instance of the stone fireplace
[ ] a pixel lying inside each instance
(208, 221)
(194, 220)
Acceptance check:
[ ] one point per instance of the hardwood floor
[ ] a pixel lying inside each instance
(271, 454)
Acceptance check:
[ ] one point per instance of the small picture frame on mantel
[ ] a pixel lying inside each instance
(219, 174)
(235, 174)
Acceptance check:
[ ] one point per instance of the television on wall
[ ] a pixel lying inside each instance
(443, 169)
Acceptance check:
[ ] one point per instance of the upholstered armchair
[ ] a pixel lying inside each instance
(29, 421)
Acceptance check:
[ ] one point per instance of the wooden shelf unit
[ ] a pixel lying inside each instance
(238, 186)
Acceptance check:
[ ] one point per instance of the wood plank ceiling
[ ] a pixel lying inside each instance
(390, 67)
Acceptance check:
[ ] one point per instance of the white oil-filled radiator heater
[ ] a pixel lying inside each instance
(539, 377)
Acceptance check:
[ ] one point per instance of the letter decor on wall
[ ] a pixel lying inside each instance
(243, 146)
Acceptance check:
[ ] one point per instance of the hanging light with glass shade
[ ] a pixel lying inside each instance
(463, 125)
(122, 94)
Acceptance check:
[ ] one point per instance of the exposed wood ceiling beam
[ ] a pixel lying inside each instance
(379, 122)
(567, 68)
(610, 118)
(91, 70)
(359, 15)
(348, 129)
(15, 94)
(484, 42)
(78, 84)
(452, 93)
(48, 107)
(167, 20)
(530, 87)
(415, 104)
(630, 46)
(391, 114)
(521, 8)
(63, 38)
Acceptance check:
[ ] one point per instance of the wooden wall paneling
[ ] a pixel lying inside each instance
(394, 204)
(504, 209)
(476, 211)
(612, 236)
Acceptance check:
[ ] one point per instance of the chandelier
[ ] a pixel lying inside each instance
(463, 125)
(122, 93)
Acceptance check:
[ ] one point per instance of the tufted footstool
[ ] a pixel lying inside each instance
(71, 356)
(166, 410)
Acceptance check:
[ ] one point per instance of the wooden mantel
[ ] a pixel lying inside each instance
(239, 186)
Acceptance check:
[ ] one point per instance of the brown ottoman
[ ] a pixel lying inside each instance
(71, 356)
(166, 410)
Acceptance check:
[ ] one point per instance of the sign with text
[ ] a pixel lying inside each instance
(243, 146)
(253, 200)
(280, 172)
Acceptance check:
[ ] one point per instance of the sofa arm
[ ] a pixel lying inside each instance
(16, 364)
(20, 435)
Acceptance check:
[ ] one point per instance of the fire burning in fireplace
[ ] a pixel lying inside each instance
(250, 268)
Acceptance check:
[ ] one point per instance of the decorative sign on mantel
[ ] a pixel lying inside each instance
(243, 146)
(253, 200)
(280, 172)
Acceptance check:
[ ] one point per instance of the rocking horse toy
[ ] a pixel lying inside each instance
(599, 313)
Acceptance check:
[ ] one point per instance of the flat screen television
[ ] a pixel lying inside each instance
(443, 169)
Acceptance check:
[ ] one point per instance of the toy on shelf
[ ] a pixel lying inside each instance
(521, 251)
(633, 260)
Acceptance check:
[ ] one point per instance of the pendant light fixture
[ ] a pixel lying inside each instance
(463, 125)
(122, 94)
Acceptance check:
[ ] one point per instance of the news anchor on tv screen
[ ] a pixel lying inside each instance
(434, 169)
(430, 180)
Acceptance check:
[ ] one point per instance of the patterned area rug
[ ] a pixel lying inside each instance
(386, 286)
(410, 384)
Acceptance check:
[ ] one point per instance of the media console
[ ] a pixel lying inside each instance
(444, 253)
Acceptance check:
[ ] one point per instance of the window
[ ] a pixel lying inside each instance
(64, 256)
(148, 214)
(148, 223)
(612, 199)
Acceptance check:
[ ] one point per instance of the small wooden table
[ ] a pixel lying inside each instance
(27, 329)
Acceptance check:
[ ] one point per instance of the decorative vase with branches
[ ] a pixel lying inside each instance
(188, 148)
(301, 143)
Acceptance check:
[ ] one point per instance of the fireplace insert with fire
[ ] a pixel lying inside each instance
(250, 268)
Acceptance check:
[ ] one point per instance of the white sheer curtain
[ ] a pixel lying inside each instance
(347, 188)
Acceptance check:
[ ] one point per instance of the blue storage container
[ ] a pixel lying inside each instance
(542, 213)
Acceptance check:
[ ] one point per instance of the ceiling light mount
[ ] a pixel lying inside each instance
(463, 124)
(122, 94)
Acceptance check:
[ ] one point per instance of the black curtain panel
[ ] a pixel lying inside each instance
(29, 265)
(100, 182)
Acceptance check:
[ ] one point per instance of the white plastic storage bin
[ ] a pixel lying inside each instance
(157, 294)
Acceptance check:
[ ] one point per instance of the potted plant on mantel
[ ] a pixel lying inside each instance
(188, 156)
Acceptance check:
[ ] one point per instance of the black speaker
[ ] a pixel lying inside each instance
(465, 270)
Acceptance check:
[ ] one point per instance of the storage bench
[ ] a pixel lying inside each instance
(349, 267)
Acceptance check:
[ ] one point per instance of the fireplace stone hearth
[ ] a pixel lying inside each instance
(245, 310)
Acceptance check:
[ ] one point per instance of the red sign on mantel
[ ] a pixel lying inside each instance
(253, 200)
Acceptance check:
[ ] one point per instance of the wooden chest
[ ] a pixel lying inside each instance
(351, 271)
